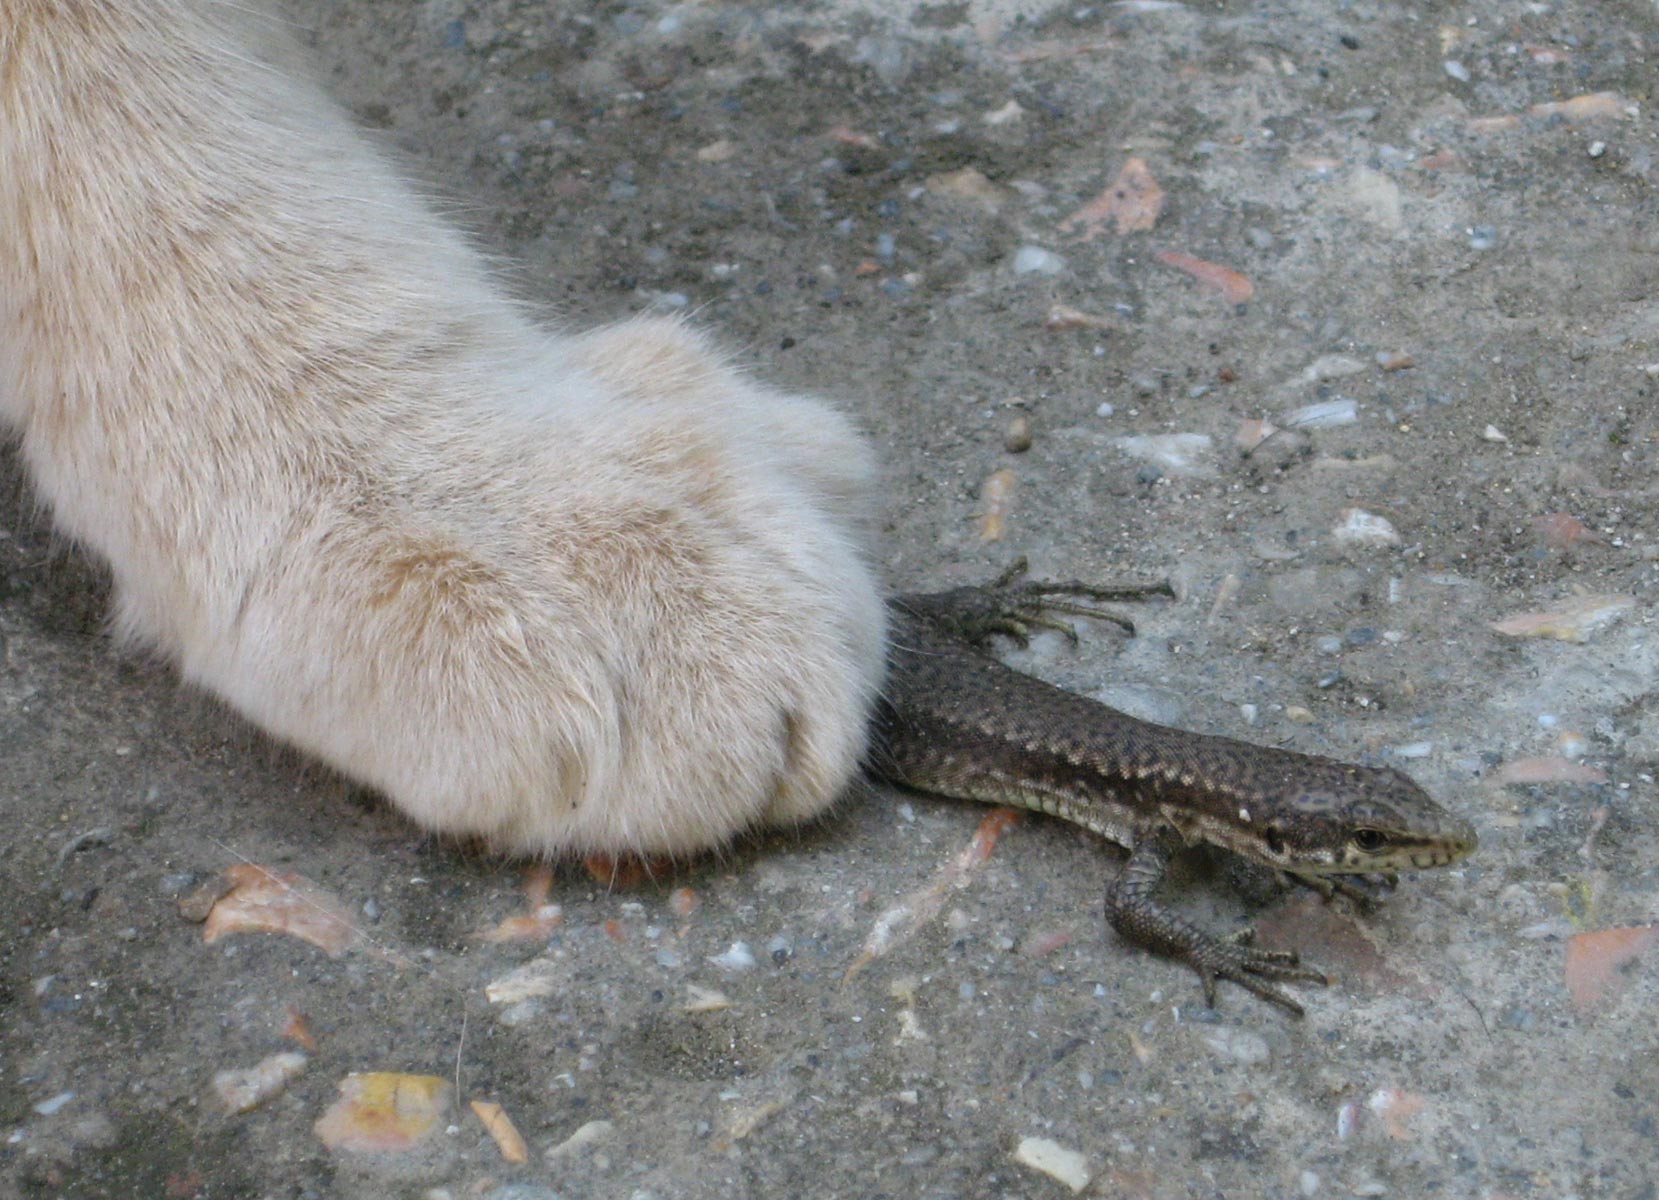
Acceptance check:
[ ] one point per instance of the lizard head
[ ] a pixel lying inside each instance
(1347, 820)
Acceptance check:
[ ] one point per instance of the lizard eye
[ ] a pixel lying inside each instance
(1370, 840)
(1274, 839)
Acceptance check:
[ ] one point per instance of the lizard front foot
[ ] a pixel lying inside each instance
(1135, 914)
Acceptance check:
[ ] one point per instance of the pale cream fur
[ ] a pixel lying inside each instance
(566, 593)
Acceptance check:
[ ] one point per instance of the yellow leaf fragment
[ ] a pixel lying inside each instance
(262, 901)
(500, 1127)
(384, 1111)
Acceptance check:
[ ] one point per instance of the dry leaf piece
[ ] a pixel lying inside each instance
(1574, 621)
(1396, 1107)
(538, 977)
(1563, 531)
(261, 901)
(1131, 203)
(968, 184)
(1064, 316)
(913, 911)
(996, 501)
(384, 1111)
(1586, 107)
(1550, 768)
(1594, 959)
(500, 1127)
(249, 1087)
(1233, 287)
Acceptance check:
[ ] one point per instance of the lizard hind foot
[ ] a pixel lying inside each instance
(1015, 607)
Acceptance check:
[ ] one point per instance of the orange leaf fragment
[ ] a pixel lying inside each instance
(261, 901)
(500, 1127)
(298, 1030)
(1131, 203)
(540, 918)
(383, 1111)
(1593, 959)
(682, 901)
(1233, 287)
(996, 823)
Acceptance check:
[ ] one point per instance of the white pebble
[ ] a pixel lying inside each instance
(1054, 1160)
(1493, 434)
(1456, 70)
(1360, 528)
(47, 1107)
(1034, 260)
(1177, 452)
(737, 957)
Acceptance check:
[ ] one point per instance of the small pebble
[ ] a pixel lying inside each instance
(1482, 237)
(1034, 260)
(1017, 438)
(1456, 70)
(47, 1108)
(1240, 1045)
(1493, 434)
(1597, 149)
(1328, 645)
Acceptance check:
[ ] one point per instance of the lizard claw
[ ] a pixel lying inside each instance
(1236, 960)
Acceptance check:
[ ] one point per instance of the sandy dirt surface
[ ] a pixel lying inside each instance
(1418, 240)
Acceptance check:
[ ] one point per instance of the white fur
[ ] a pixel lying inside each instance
(590, 593)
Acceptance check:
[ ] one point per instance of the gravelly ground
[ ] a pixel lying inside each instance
(1333, 155)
